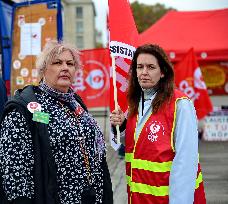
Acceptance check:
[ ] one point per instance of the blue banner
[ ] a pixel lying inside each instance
(6, 14)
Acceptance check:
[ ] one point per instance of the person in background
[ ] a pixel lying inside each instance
(161, 139)
(3, 95)
(52, 150)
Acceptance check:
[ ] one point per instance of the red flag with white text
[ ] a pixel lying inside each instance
(92, 81)
(189, 79)
(122, 44)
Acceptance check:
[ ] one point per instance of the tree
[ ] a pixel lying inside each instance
(147, 15)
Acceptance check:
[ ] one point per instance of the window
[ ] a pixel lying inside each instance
(79, 12)
(79, 27)
(80, 42)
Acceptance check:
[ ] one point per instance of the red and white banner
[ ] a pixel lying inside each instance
(122, 45)
(189, 79)
(92, 81)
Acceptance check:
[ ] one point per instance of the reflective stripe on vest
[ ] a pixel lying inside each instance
(128, 178)
(199, 180)
(151, 166)
(147, 189)
(128, 157)
(154, 167)
(154, 190)
(147, 165)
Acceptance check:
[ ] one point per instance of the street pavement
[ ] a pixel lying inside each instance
(214, 163)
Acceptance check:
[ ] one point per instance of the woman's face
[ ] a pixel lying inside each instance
(61, 72)
(148, 71)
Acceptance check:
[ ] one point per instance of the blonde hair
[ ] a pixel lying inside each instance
(51, 50)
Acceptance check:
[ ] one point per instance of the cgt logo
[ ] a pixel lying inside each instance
(155, 129)
(96, 79)
(93, 79)
(198, 83)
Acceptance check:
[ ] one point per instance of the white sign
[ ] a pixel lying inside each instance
(216, 128)
(30, 43)
(121, 49)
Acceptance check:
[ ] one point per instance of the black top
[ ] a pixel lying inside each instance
(44, 163)
(3, 95)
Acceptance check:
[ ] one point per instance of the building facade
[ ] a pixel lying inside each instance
(79, 23)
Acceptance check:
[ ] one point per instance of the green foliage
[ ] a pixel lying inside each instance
(147, 15)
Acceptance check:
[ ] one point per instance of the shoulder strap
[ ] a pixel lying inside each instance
(20, 102)
(27, 95)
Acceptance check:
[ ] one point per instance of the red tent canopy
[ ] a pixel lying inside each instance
(177, 32)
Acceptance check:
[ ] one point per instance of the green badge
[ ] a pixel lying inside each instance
(41, 117)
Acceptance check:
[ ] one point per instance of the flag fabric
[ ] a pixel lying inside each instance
(189, 79)
(122, 44)
(122, 26)
(92, 81)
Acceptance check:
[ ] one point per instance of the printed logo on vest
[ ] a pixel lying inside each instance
(154, 129)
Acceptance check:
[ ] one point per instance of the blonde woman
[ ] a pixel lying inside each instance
(51, 149)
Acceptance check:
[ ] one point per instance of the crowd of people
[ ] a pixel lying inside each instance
(53, 151)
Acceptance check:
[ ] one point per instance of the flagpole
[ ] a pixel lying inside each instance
(115, 95)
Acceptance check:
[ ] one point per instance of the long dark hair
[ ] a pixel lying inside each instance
(165, 86)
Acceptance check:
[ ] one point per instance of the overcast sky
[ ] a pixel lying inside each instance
(101, 7)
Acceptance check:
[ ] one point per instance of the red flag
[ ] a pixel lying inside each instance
(123, 40)
(189, 79)
(92, 81)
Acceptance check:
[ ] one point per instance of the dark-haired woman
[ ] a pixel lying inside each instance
(161, 136)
